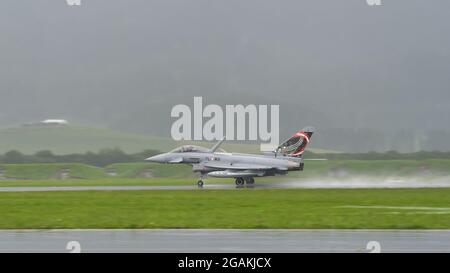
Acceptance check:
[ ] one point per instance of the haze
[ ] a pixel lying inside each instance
(369, 78)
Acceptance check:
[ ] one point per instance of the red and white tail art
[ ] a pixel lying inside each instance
(296, 145)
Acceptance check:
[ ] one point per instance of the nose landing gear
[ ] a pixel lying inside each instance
(200, 184)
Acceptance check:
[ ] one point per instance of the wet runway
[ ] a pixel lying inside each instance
(105, 188)
(198, 241)
(356, 183)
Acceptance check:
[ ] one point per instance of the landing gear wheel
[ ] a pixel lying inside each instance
(250, 181)
(240, 182)
(200, 184)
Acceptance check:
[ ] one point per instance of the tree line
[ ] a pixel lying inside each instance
(388, 155)
(106, 157)
(102, 158)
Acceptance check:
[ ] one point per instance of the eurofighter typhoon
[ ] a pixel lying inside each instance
(215, 162)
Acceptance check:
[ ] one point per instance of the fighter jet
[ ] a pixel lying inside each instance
(215, 162)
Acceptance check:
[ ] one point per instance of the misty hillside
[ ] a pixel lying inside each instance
(369, 78)
(77, 139)
(64, 140)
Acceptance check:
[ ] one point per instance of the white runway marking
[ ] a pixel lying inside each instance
(367, 182)
(397, 207)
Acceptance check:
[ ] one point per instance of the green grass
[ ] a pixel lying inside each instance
(374, 168)
(135, 170)
(291, 209)
(110, 182)
(48, 171)
(82, 171)
(133, 173)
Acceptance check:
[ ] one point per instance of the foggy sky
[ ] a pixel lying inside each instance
(331, 64)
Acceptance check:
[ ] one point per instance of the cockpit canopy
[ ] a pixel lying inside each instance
(192, 149)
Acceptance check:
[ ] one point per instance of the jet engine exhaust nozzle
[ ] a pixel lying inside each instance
(294, 166)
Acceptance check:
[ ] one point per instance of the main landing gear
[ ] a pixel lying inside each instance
(240, 182)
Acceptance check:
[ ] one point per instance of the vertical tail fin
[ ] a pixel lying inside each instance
(296, 145)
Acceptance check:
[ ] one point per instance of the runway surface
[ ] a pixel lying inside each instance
(104, 188)
(234, 241)
(307, 184)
